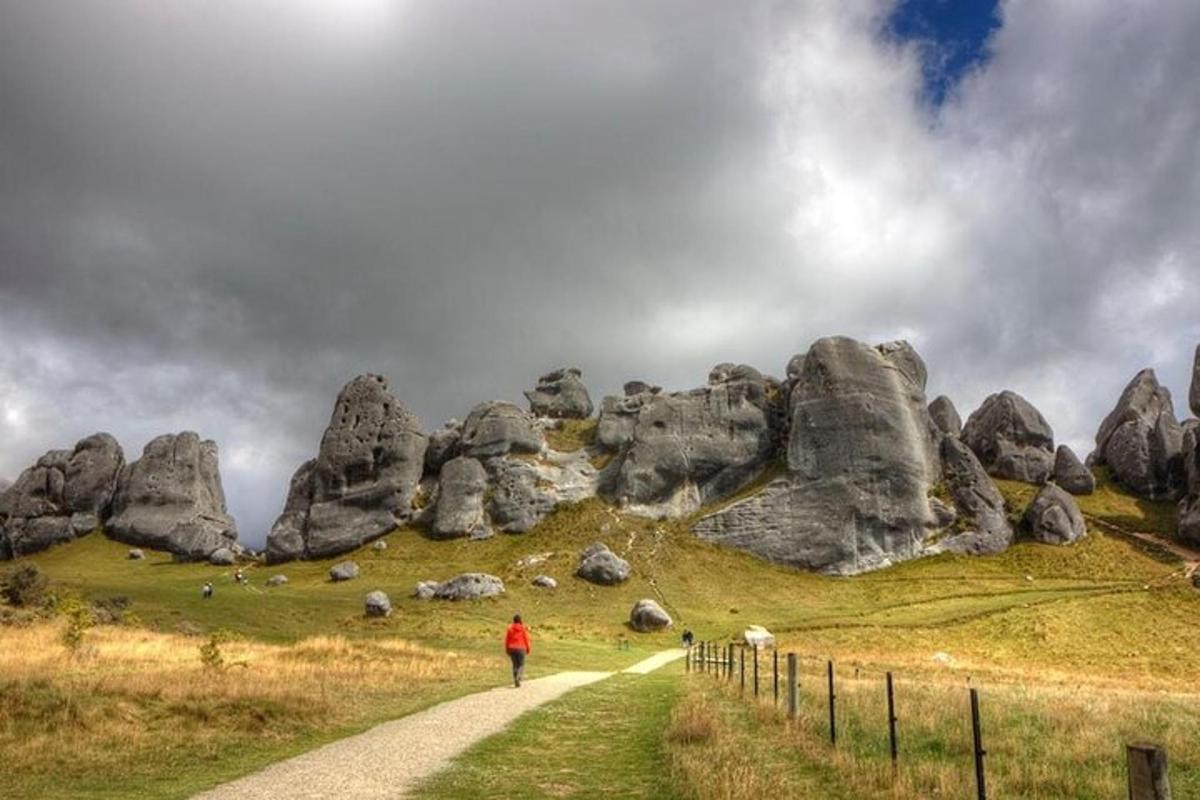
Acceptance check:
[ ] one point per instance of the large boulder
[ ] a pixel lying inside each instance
(463, 483)
(443, 446)
(363, 482)
(469, 586)
(1194, 389)
(1053, 517)
(377, 604)
(1140, 440)
(1071, 474)
(498, 429)
(1189, 506)
(65, 494)
(344, 571)
(1011, 438)
(172, 499)
(676, 452)
(945, 416)
(647, 616)
(561, 395)
(982, 522)
(758, 637)
(598, 564)
(862, 459)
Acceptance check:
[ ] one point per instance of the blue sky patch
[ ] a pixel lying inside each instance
(953, 36)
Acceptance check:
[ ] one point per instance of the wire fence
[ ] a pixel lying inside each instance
(766, 675)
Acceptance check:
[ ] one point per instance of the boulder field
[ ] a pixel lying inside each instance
(840, 467)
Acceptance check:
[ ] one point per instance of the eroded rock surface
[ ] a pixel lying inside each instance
(498, 429)
(463, 483)
(1071, 474)
(1140, 440)
(676, 452)
(945, 416)
(172, 499)
(1011, 438)
(363, 482)
(561, 395)
(983, 524)
(647, 616)
(1053, 517)
(861, 461)
(64, 495)
(598, 564)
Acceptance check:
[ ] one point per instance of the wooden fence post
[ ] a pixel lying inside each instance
(891, 700)
(980, 780)
(775, 674)
(742, 671)
(1147, 772)
(793, 692)
(729, 662)
(832, 713)
(756, 670)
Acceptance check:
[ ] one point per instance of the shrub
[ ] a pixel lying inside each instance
(79, 619)
(210, 652)
(24, 585)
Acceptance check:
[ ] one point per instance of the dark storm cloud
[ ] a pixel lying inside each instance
(213, 214)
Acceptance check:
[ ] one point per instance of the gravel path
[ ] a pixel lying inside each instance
(389, 759)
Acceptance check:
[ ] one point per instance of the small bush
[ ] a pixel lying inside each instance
(210, 652)
(24, 586)
(79, 619)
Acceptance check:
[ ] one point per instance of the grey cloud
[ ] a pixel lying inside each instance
(213, 214)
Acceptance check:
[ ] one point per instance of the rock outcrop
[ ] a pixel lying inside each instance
(344, 571)
(599, 565)
(363, 482)
(1140, 440)
(945, 416)
(66, 494)
(1053, 517)
(982, 523)
(1071, 474)
(498, 429)
(1189, 506)
(1194, 389)
(560, 395)
(1011, 438)
(758, 637)
(463, 483)
(172, 499)
(861, 462)
(676, 452)
(469, 586)
(647, 616)
(377, 604)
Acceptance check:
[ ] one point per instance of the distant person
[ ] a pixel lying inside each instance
(239, 576)
(207, 592)
(516, 643)
(688, 638)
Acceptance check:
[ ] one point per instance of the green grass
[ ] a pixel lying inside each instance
(603, 741)
(572, 434)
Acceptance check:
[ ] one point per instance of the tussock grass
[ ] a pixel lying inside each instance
(138, 713)
(572, 434)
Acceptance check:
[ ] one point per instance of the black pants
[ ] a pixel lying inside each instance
(518, 664)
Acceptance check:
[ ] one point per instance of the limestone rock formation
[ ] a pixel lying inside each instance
(1053, 517)
(463, 483)
(497, 429)
(984, 526)
(647, 616)
(424, 590)
(363, 482)
(277, 580)
(598, 564)
(377, 604)
(561, 395)
(1194, 390)
(469, 586)
(64, 495)
(676, 452)
(1140, 440)
(343, 571)
(862, 459)
(1011, 438)
(1071, 474)
(171, 499)
(945, 416)
(222, 557)
(1189, 506)
(135, 554)
(443, 446)
(545, 582)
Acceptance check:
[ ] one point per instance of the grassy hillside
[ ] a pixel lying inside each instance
(1055, 616)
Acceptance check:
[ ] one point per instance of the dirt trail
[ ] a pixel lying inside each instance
(390, 759)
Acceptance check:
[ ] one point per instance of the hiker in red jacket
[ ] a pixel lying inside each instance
(516, 642)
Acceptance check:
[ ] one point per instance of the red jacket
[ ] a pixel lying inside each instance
(517, 638)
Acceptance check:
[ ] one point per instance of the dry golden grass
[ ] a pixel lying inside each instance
(1053, 742)
(133, 703)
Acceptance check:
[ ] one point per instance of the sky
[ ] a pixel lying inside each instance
(214, 214)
